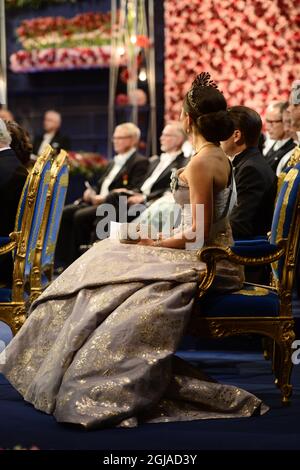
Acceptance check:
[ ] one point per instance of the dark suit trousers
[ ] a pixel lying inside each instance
(75, 230)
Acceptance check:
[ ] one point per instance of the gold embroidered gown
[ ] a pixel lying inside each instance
(98, 346)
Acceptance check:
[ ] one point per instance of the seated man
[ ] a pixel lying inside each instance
(52, 134)
(12, 179)
(283, 141)
(127, 170)
(256, 182)
(157, 180)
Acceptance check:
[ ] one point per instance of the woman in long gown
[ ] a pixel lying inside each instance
(98, 347)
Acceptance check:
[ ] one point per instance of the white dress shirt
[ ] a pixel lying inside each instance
(119, 162)
(166, 159)
(268, 144)
(48, 136)
(279, 143)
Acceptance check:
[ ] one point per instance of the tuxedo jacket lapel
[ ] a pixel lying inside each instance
(125, 168)
(177, 163)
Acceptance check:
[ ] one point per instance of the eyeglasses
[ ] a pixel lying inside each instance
(114, 137)
(273, 122)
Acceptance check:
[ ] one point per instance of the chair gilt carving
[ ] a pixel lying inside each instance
(258, 309)
(21, 243)
(294, 159)
(42, 269)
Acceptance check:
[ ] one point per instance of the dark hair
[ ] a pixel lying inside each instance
(207, 107)
(248, 122)
(20, 141)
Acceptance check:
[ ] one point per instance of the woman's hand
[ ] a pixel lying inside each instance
(147, 242)
(88, 194)
(96, 199)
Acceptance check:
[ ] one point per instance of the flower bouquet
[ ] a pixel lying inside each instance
(88, 164)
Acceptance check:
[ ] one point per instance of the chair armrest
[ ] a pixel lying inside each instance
(268, 253)
(255, 250)
(7, 244)
(251, 241)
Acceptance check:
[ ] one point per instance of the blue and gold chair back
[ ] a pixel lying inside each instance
(24, 238)
(57, 204)
(44, 253)
(284, 214)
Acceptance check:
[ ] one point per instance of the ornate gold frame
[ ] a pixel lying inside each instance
(36, 286)
(279, 328)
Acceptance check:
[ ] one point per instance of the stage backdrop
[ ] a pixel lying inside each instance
(250, 47)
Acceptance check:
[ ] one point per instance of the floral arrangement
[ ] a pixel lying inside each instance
(86, 29)
(63, 58)
(251, 49)
(86, 163)
(58, 43)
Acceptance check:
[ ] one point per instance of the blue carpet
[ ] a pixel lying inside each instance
(21, 424)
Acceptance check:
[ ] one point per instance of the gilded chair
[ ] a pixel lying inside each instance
(294, 159)
(257, 309)
(42, 268)
(21, 243)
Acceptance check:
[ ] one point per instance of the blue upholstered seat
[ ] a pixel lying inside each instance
(255, 300)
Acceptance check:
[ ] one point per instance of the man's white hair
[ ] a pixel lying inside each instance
(5, 137)
(54, 113)
(131, 128)
(178, 128)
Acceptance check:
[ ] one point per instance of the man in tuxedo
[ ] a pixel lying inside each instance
(52, 134)
(283, 142)
(256, 182)
(289, 129)
(157, 179)
(126, 171)
(12, 179)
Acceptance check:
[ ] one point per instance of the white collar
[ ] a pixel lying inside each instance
(5, 148)
(124, 156)
(170, 155)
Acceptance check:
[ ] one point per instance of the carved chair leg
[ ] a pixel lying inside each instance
(34, 295)
(268, 346)
(19, 317)
(283, 363)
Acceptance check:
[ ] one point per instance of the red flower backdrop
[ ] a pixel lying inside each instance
(251, 49)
